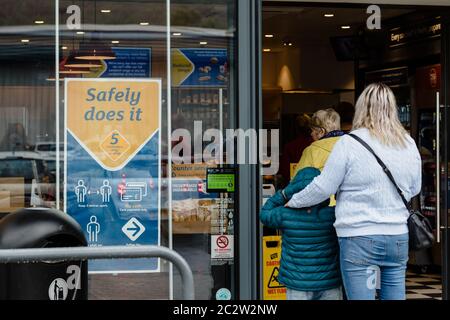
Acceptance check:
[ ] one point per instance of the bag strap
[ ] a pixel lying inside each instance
(385, 169)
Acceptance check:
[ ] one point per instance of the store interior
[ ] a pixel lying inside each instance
(321, 57)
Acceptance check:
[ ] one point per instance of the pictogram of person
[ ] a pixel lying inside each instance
(81, 191)
(93, 228)
(105, 191)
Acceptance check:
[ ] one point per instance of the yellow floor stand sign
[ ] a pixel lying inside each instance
(273, 290)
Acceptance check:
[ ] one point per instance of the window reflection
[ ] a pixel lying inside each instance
(202, 56)
(27, 104)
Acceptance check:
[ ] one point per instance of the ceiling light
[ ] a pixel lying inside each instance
(144, 23)
(345, 27)
(95, 50)
(63, 69)
(73, 71)
(203, 43)
(328, 15)
(39, 21)
(86, 64)
(177, 34)
(80, 32)
(267, 50)
(52, 78)
(115, 41)
(105, 11)
(64, 48)
(24, 40)
(287, 42)
(269, 35)
(71, 62)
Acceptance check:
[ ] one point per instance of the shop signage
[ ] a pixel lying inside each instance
(200, 67)
(273, 289)
(391, 77)
(129, 63)
(112, 165)
(222, 230)
(194, 210)
(422, 31)
(222, 247)
(194, 170)
(220, 180)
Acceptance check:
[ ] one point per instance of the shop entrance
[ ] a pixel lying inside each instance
(317, 57)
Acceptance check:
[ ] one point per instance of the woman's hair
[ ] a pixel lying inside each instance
(376, 110)
(327, 119)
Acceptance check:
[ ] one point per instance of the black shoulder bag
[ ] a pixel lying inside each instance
(420, 230)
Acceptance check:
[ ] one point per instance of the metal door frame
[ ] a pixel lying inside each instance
(443, 147)
(249, 104)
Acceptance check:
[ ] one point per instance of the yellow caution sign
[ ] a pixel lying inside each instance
(273, 290)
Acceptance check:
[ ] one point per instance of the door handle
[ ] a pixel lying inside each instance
(438, 170)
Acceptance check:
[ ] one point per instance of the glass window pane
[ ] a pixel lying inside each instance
(203, 101)
(113, 183)
(27, 104)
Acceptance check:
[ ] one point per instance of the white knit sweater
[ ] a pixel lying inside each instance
(367, 202)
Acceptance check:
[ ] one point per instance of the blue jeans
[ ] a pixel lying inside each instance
(371, 260)
(332, 294)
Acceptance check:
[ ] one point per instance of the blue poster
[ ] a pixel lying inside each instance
(200, 67)
(112, 165)
(129, 63)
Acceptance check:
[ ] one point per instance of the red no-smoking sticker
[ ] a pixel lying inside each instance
(222, 247)
(222, 242)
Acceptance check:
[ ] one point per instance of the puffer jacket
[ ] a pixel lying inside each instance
(309, 254)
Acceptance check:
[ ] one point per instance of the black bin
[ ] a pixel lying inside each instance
(42, 228)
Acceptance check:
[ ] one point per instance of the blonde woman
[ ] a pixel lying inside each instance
(325, 132)
(371, 219)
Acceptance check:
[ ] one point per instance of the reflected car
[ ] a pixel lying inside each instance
(25, 180)
(47, 149)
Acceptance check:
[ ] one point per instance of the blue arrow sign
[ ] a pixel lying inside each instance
(136, 229)
(133, 229)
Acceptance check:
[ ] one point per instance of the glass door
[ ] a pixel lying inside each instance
(113, 125)
(203, 215)
(405, 47)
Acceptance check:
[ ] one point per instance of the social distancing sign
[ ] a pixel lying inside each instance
(273, 289)
(113, 119)
(113, 166)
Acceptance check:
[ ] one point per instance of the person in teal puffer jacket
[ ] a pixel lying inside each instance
(309, 255)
